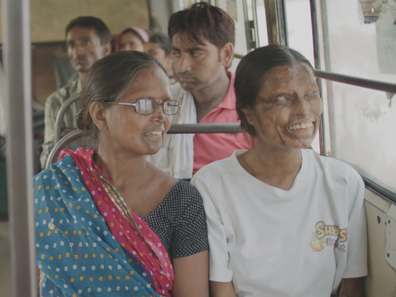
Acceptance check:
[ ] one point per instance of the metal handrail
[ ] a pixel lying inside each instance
(61, 113)
(61, 144)
(357, 81)
(205, 128)
(175, 129)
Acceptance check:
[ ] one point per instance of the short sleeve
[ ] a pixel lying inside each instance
(220, 269)
(357, 231)
(190, 235)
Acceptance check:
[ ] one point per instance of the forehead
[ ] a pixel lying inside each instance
(184, 41)
(129, 36)
(80, 33)
(296, 74)
(149, 83)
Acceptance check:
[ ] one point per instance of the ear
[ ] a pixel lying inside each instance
(227, 54)
(96, 111)
(106, 49)
(248, 111)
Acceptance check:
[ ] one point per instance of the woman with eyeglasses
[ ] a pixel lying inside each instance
(108, 223)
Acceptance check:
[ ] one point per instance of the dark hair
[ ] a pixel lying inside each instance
(163, 40)
(203, 20)
(91, 22)
(108, 80)
(250, 72)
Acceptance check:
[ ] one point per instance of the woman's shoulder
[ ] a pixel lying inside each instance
(334, 168)
(217, 169)
(184, 191)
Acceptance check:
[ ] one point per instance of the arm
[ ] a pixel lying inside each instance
(222, 289)
(191, 276)
(351, 287)
(51, 109)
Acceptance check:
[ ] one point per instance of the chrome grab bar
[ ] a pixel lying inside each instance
(61, 113)
(175, 129)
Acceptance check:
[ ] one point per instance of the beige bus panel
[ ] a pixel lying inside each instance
(49, 18)
(381, 280)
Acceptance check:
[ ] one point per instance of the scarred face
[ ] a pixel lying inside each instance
(288, 108)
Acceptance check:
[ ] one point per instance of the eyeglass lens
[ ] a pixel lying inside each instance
(149, 106)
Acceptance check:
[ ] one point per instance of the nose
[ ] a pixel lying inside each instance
(302, 106)
(78, 50)
(184, 63)
(159, 113)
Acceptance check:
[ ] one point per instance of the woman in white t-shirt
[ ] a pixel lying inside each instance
(282, 220)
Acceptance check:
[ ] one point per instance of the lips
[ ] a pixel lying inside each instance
(153, 133)
(187, 79)
(299, 126)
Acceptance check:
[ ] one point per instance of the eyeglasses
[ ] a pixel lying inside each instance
(149, 106)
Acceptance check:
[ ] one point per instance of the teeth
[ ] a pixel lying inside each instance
(154, 133)
(302, 126)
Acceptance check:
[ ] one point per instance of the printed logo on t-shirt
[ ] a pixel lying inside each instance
(328, 235)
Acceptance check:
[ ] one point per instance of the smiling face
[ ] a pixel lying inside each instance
(130, 42)
(199, 65)
(288, 108)
(124, 130)
(84, 48)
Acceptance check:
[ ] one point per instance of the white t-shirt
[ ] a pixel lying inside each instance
(271, 242)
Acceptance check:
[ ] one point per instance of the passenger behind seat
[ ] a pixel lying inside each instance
(88, 40)
(203, 38)
(160, 47)
(131, 39)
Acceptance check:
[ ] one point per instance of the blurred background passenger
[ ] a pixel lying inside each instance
(282, 220)
(117, 220)
(87, 40)
(131, 39)
(160, 47)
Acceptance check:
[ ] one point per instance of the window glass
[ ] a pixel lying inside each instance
(299, 28)
(361, 42)
(261, 20)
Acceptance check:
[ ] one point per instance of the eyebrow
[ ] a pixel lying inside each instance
(190, 49)
(86, 37)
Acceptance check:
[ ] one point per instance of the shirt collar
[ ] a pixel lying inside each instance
(229, 99)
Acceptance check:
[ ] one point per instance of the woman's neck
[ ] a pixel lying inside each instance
(123, 168)
(274, 166)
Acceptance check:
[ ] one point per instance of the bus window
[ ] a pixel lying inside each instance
(360, 41)
(261, 23)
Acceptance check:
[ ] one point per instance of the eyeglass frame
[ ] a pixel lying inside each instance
(133, 104)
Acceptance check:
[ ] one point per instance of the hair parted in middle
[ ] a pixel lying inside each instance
(203, 21)
(108, 80)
